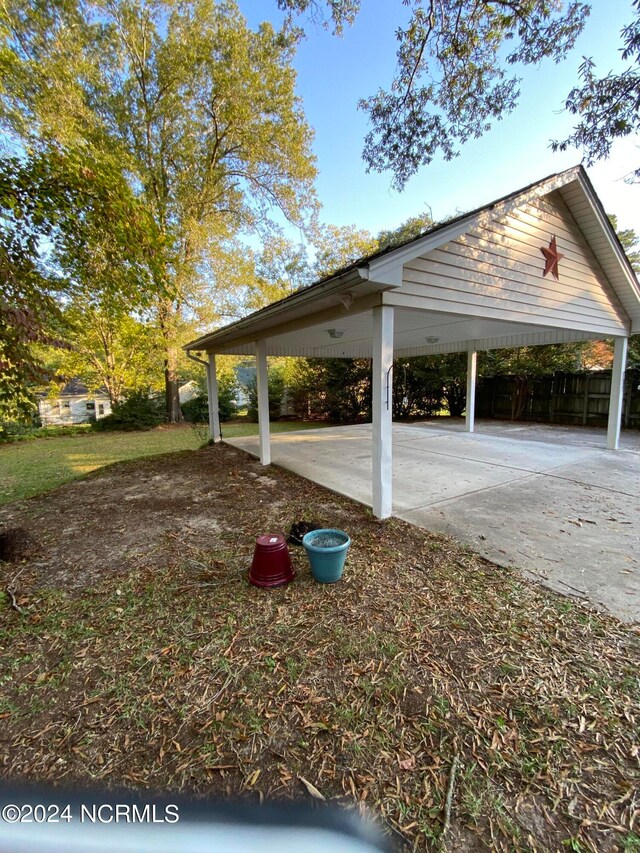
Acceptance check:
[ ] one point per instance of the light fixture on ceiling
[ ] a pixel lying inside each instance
(432, 340)
(335, 333)
(347, 300)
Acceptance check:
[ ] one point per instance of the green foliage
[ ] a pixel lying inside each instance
(11, 431)
(633, 355)
(607, 107)
(452, 78)
(417, 387)
(527, 364)
(451, 83)
(453, 373)
(339, 390)
(276, 391)
(196, 410)
(348, 389)
(407, 230)
(28, 310)
(423, 385)
(51, 204)
(281, 269)
(138, 411)
(227, 391)
(337, 247)
(108, 348)
(336, 389)
(530, 362)
(200, 114)
(630, 242)
(341, 12)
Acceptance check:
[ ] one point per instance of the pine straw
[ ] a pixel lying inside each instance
(179, 675)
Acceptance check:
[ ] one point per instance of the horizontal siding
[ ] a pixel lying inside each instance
(554, 213)
(488, 289)
(516, 241)
(496, 270)
(607, 252)
(501, 270)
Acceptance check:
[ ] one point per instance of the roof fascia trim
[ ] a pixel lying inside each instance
(609, 233)
(311, 294)
(388, 269)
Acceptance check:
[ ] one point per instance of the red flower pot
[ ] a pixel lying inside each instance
(271, 565)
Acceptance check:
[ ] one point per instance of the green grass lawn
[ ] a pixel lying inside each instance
(28, 468)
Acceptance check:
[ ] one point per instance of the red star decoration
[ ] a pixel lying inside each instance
(552, 256)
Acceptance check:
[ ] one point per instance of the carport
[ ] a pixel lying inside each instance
(540, 266)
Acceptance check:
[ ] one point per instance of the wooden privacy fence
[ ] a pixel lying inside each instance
(566, 398)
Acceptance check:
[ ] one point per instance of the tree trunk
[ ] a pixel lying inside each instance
(456, 396)
(172, 385)
(167, 317)
(519, 400)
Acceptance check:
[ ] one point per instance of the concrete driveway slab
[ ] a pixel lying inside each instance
(552, 503)
(576, 538)
(521, 455)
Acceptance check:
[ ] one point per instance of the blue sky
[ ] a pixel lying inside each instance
(333, 73)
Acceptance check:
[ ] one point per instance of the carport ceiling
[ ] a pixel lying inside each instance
(416, 332)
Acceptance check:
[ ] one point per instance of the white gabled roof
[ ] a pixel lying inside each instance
(362, 282)
(586, 208)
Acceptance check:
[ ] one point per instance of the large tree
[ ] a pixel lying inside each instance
(526, 364)
(109, 348)
(52, 207)
(456, 74)
(200, 111)
(608, 107)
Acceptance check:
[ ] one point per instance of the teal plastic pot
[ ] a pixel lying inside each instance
(327, 551)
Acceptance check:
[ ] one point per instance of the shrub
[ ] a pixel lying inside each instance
(227, 390)
(196, 410)
(417, 388)
(336, 389)
(10, 431)
(276, 391)
(138, 410)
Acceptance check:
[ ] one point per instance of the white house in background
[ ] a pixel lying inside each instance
(77, 405)
(188, 391)
(245, 376)
(74, 405)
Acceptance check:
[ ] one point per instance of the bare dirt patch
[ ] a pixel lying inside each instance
(143, 657)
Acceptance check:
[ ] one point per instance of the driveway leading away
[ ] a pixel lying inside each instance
(551, 501)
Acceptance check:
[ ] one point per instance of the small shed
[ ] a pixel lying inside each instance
(75, 404)
(542, 265)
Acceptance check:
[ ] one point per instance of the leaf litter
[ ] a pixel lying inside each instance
(462, 705)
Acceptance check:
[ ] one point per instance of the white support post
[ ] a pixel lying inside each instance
(212, 394)
(382, 386)
(470, 414)
(617, 392)
(262, 382)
